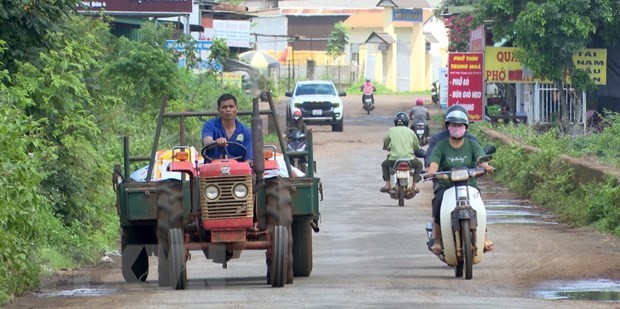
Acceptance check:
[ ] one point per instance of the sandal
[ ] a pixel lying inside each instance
(437, 248)
(384, 189)
(488, 246)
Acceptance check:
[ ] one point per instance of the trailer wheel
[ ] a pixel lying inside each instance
(278, 209)
(134, 258)
(302, 248)
(169, 216)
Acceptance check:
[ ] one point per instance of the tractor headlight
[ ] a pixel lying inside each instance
(212, 192)
(240, 190)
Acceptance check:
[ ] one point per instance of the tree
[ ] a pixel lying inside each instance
(219, 51)
(25, 25)
(548, 33)
(338, 39)
(460, 26)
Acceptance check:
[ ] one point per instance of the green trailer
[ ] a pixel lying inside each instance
(220, 207)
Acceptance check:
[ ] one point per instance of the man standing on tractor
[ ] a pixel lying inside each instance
(227, 128)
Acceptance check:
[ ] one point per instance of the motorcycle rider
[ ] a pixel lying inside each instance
(401, 142)
(457, 151)
(368, 88)
(418, 114)
(298, 122)
(434, 93)
(444, 134)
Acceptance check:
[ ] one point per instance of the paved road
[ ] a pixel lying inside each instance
(370, 253)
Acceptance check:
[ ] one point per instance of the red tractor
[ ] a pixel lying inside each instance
(220, 206)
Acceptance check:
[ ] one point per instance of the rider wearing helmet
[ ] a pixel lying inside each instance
(418, 114)
(456, 151)
(368, 88)
(298, 122)
(444, 134)
(400, 141)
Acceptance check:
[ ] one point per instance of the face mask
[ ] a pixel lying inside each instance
(456, 132)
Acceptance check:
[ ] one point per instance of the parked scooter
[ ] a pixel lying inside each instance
(434, 93)
(463, 219)
(369, 102)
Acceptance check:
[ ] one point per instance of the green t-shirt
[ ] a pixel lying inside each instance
(401, 142)
(448, 157)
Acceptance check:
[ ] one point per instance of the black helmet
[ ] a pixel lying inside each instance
(457, 116)
(401, 119)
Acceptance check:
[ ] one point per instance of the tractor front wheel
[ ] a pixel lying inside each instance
(279, 213)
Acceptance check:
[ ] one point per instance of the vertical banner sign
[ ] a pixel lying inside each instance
(443, 88)
(477, 39)
(465, 82)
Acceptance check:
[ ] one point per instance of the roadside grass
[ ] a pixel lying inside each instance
(550, 182)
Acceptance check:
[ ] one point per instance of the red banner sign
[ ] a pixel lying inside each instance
(465, 82)
(142, 6)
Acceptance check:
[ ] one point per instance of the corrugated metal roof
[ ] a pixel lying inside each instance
(405, 4)
(316, 11)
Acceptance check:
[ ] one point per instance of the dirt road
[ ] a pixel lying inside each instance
(370, 253)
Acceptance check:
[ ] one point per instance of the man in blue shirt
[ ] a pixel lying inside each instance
(227, 128)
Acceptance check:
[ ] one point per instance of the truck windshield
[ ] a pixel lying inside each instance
(311, 89)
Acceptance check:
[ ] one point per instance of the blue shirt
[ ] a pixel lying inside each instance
(242, 135)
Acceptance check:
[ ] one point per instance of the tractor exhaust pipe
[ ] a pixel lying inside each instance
(257, 144)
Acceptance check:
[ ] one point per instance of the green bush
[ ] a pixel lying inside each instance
(549, 181)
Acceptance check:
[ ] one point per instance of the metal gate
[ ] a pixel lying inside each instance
(547, 104)
(403, 67)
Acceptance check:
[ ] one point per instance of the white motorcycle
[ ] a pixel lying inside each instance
(463, 219)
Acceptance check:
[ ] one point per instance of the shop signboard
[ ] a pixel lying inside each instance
(465, 82)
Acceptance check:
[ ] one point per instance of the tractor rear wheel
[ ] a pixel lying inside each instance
(134, 258)
(302, 248)
(169, 216)
(279, 213)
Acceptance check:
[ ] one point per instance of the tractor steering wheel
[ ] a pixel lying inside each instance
(205, 150)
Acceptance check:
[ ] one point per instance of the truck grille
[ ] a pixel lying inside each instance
(226, 205)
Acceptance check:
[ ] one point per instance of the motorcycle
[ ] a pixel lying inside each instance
(401, 179)
(369, 102)
(434, 93)
(463, 219)
(296, 142)
(420, 130)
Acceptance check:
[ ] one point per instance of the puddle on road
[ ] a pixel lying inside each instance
(81, 292)
(514, 212)
(594, 290)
